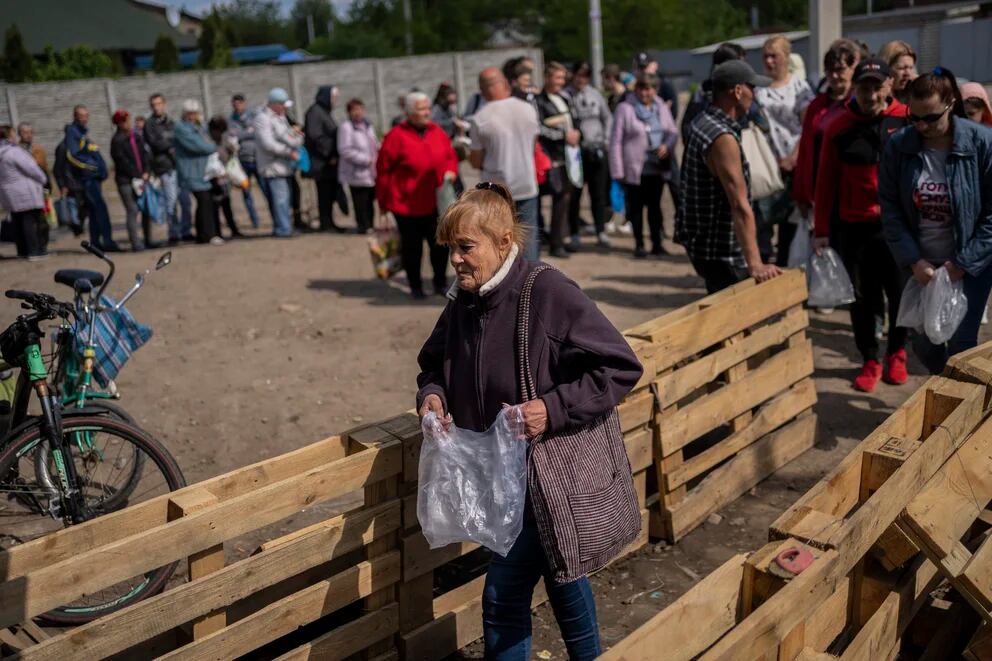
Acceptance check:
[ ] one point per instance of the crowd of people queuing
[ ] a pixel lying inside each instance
(877, 162)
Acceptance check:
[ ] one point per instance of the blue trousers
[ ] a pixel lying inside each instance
(250, 171)
(101, 233)
(506, 601)
(934, 356)
(279, 195)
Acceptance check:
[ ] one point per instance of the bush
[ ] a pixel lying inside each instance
(165, 57)
(72, 63)
(17, 64)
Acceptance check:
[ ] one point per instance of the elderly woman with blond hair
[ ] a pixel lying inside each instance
(519, 332)
(901, 59)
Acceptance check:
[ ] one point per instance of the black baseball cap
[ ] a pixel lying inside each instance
(737, 72)
(873, 68)
(643, 59)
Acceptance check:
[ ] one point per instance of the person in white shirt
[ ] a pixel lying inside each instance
(278, 145)
(502, 138)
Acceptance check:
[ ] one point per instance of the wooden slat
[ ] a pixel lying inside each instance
(687, 378)
(646, 330)
(350, 638)
(118, 631)
(639, 449)
(69, 542)
(419, 558)
(201, 563)
(979, 648)
(727, 316)
(691, 624)
(636, 411)
(720, 407)
(749, 467)
(771, 416)
(286, 615)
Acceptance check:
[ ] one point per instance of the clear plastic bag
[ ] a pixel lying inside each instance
(829, 284)
(802, 243)
(944, 306)
(473, 485)
(911, 306)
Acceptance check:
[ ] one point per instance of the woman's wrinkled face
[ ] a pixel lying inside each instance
(357, 113)
(931, 117)
(839, 79)
(475, 257)
(420, 114)
(903, 72)
(645, 95)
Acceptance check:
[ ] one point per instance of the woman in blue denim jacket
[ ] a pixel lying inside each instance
(935, 188)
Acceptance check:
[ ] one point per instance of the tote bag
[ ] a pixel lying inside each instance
(766, 179)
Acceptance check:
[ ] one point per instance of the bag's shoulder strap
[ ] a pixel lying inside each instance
(528, 391)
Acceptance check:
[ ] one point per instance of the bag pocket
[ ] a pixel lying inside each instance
(600, 516)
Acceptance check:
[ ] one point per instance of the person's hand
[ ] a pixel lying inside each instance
(764, 272)
(294, 155)
(450, 176)
(923, 272)
(572, 137)
(662, 152)
(804, 209)
(433, 404)
(820, 244)
(788, 164)
(535, 414)
(954, 271)
(146, 176)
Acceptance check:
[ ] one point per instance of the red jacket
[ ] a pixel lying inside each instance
(410, 168)
(818, 113)
(847, 177)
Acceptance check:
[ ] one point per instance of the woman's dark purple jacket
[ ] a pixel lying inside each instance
(582, 365)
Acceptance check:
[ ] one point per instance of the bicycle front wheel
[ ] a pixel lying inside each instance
(116, 464)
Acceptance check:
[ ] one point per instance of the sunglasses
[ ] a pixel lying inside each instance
(499, 189)
(928, 119)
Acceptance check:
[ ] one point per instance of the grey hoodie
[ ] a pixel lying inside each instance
(593, 117)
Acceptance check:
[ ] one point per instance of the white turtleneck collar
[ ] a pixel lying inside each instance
(494, 281)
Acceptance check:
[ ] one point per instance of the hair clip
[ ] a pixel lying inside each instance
(499, 189)
(940, 71)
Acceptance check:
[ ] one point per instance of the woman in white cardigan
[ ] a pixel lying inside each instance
(22, 193)
(358, 149)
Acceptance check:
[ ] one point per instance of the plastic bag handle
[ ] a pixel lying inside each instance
(527, 389)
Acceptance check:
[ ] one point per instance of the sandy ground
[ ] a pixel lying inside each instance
(262, 346)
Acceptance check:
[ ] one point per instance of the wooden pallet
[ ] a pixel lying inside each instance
(733, 394)
(846, 602)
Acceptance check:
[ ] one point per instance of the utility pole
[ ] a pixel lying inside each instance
(596, 42)
(825, 18)
(408, 21)
(310, 31)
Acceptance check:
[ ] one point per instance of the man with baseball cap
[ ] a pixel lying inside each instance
(277, 150)
(715, 222)
(847, 187)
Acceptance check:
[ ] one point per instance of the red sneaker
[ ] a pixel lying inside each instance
(895, 364)
(868, 379)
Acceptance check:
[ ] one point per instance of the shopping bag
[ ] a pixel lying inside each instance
(236, 173)
(445, 197)
(149, 203)
(911, 306)
(766, 178)
(829, 284)
(802, 245)
(573, 165)
(616, 197)
(49, 212)
(214, 168)
(384, 248)
(472, 486)
(302, 162)
(944, 306)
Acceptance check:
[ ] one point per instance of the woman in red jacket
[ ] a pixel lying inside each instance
(415, 159)
(847, 188)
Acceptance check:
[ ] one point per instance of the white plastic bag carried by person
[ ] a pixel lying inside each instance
(911, 306)
(829, 284)
(944, 306)
(473, 485)
(802, 243)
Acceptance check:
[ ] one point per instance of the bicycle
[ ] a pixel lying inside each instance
(69, 465)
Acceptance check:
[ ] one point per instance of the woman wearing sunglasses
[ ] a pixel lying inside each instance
(934, 187)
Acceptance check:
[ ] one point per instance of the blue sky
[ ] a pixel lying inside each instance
(203, 6)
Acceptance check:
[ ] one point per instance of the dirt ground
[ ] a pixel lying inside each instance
(262, 346)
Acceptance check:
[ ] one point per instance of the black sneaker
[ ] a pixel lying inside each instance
(559, 253)
(418, 294)
(640, 253)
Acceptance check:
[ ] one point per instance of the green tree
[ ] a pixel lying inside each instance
(73, 63)
(253, 22)
(322, 14)
(215, 53)
(165, 57)
(17, 62)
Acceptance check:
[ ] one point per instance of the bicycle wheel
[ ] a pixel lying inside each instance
(136, 460)
(29, 501)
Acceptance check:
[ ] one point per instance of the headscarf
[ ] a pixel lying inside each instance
(977, 90)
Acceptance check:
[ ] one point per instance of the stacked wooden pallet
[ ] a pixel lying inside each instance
(731, 378)
(866, 586)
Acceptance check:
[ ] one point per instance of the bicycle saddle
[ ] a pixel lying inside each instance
(70, 277)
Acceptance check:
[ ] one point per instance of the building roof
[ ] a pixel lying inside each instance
(99, 24)
(240, 54)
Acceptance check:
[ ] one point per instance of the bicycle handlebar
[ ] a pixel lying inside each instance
(89, 247)
(93, 249)
(44, 304)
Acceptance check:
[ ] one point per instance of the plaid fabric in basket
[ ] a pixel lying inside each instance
(118, 335)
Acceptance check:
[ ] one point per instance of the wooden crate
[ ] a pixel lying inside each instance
(846, 602)
(292, 581)
(731, 378)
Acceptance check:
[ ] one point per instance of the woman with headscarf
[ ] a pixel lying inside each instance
(321, 141)
(976, 103)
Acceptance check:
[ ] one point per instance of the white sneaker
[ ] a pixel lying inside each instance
(610, 227)
(985, 316)
(216, 241)
(603, 240)
(625, 230)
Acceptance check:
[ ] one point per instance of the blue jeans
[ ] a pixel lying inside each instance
(101, 233)
(250, 171)
(934, 356)
(185, 212)
(170, 197)
(507, 596)
(279, 203)
(527, 211)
